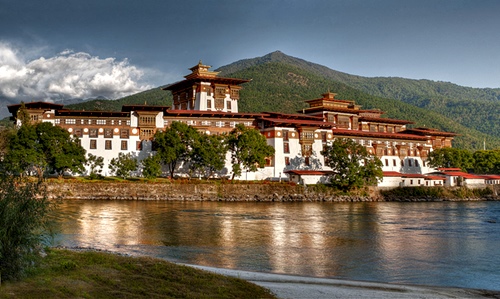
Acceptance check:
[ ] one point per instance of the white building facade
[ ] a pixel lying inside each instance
(210, 104)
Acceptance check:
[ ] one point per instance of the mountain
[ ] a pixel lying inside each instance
(282, 83)
(475, 108)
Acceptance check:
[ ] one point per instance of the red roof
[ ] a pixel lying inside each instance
(34, 105)
(309, 172)
(294, 116)
(392, 174)
(462, 174)
(314, 123)
(377, 134)
(429, 132)
(445, 169)
(385, 120)
(412, 175)
(198, 113)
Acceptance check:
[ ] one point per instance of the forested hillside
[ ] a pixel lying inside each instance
(155, 97)
(476, 108)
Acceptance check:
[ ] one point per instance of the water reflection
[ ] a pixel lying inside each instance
(427, 243)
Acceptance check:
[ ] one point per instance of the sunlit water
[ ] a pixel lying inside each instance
(442, 243)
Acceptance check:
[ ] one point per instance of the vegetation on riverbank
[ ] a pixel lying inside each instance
(436, 193)
(91, 274)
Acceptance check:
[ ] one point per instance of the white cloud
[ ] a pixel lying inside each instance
(65, 76)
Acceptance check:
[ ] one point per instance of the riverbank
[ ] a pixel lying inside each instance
(299, 287)
(250, 191)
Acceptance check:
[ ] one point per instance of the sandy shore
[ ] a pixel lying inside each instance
(297, 287)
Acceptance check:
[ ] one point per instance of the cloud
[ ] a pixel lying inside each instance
(67, 75)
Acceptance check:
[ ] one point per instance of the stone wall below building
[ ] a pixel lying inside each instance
(216, 191)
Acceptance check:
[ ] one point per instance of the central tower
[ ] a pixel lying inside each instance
(203, 90)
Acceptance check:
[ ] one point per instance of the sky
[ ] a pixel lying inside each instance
(56, 50)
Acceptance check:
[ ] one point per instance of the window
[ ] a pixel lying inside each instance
(235, 93)
(124, 133)
(269, 161)
(108, 133)
(306, 161)
(286, 148)
(394, 162)
(107, 145)
(78, 132)
(71, 121)
(228, 105)
(101, 121)
(287, 160)
(219, 124)
(147, 120)
(93, 144)
(416, 163)
(285, 135)
(93, 133)
(147, 133)
(323, 137)
(209, 104)
(124, 146)
(138, 145)
(386, 162)
(409, 163)
(307, 135)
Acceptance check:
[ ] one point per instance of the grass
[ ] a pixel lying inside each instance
(90, 274)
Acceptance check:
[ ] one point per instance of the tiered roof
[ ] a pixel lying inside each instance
(201, 73)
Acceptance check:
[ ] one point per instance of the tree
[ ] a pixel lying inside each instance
(151, 167)
(24, 153)
(62, 151)
(44, 148)
(351, 164)
(209, 154)
(123, 165)
(249, 149)
(24, 207)
(487, 162)
(451, 158)
(96, 164)
(175, 144)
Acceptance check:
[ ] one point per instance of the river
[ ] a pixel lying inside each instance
(440, 243)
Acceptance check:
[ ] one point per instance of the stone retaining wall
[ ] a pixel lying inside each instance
(194, 192)
(213, 192)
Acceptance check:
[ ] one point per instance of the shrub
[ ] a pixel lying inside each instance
(24, 208)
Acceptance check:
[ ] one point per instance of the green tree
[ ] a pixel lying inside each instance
(248, 148)
(451, 157)
(352, 165)
(151, 167)
(96, 164)
(174, 145)
(24, 224)
(487, 162)
(123, 165)
(43, 148)
(62, 151)
(24, 153)
(209, 154)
